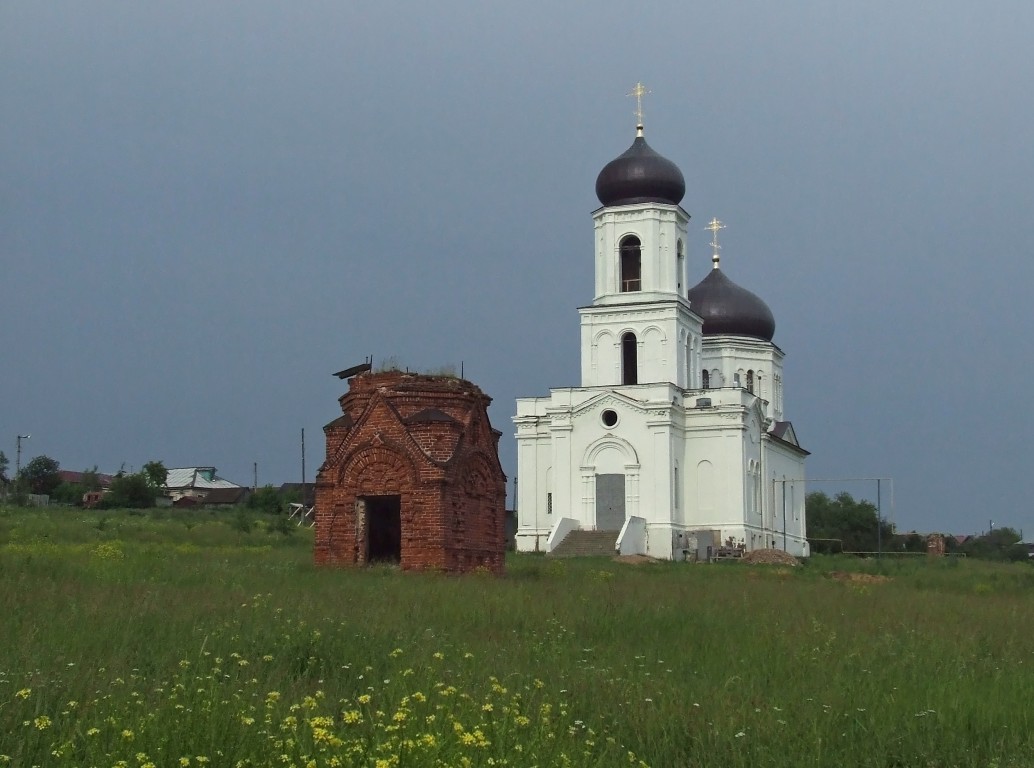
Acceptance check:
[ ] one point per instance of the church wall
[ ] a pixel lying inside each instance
(785, 463)
(732, 355)
(534, 457)
(711, 447)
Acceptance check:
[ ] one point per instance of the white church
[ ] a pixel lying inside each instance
(676, 438)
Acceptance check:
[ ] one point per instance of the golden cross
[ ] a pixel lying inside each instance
(639, 91)
(713, 227)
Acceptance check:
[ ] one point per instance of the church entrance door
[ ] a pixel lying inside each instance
(384, 528)
(610, 502)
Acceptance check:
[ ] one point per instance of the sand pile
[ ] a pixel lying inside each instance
(770, 557)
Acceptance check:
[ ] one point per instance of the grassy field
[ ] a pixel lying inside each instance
(193, 639)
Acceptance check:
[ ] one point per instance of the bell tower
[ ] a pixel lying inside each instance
(638, 329)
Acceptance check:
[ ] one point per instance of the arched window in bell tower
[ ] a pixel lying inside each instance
(707, 380)
(680, 267)
(631, 253)
(750, 381)
(629, 359)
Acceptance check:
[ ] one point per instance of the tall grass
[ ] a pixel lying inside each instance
(185, 641)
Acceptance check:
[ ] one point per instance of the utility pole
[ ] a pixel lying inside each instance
(879, 519)
(254, 479)
(18, 460)
(303, 465)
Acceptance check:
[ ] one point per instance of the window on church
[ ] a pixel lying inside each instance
(631, 264)
(750, 382)
(549, 503)
(707, 380)
(680, 265)
(736, 379)
(629, 359)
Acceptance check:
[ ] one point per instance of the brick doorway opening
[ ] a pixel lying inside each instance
(383, 529)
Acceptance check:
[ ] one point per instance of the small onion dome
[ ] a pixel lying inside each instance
(640, 175)
(726, 308)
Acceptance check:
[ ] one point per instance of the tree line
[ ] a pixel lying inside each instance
(842, 524)
(42, 476)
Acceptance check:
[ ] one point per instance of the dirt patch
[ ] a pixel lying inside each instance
(858, 578)
(770, 557)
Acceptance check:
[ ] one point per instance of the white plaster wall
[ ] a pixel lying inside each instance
(737, 354)
(657, 328)
(784, 463)
(632, 539)
(564, 437)
(534, 448)
(659, 229)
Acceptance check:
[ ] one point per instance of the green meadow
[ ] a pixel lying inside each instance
(209, 639)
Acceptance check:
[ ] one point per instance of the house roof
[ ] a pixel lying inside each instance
(225, 496)
(195, 477)
(783, 432)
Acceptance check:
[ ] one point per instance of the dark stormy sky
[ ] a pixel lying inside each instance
(207, 208)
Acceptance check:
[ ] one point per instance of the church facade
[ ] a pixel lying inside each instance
(676, 438)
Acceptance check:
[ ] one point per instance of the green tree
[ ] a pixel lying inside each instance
(41, 475)
(68, 493)
(266, 499)
(156, 473)
(129, 492)
(999, 544)
(91, 479)
(4, 464)
(855, 524)
(911, 542)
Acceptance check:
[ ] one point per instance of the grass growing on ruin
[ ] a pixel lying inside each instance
(202, 640)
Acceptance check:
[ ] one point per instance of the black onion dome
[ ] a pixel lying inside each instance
(640, 175)
(726, 308)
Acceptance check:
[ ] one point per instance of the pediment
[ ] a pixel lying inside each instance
(614, 400)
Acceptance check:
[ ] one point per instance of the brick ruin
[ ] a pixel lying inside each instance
(412, 476)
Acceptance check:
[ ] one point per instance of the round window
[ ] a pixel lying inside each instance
(610, 418)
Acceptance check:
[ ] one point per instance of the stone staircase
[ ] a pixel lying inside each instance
(587, 544)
